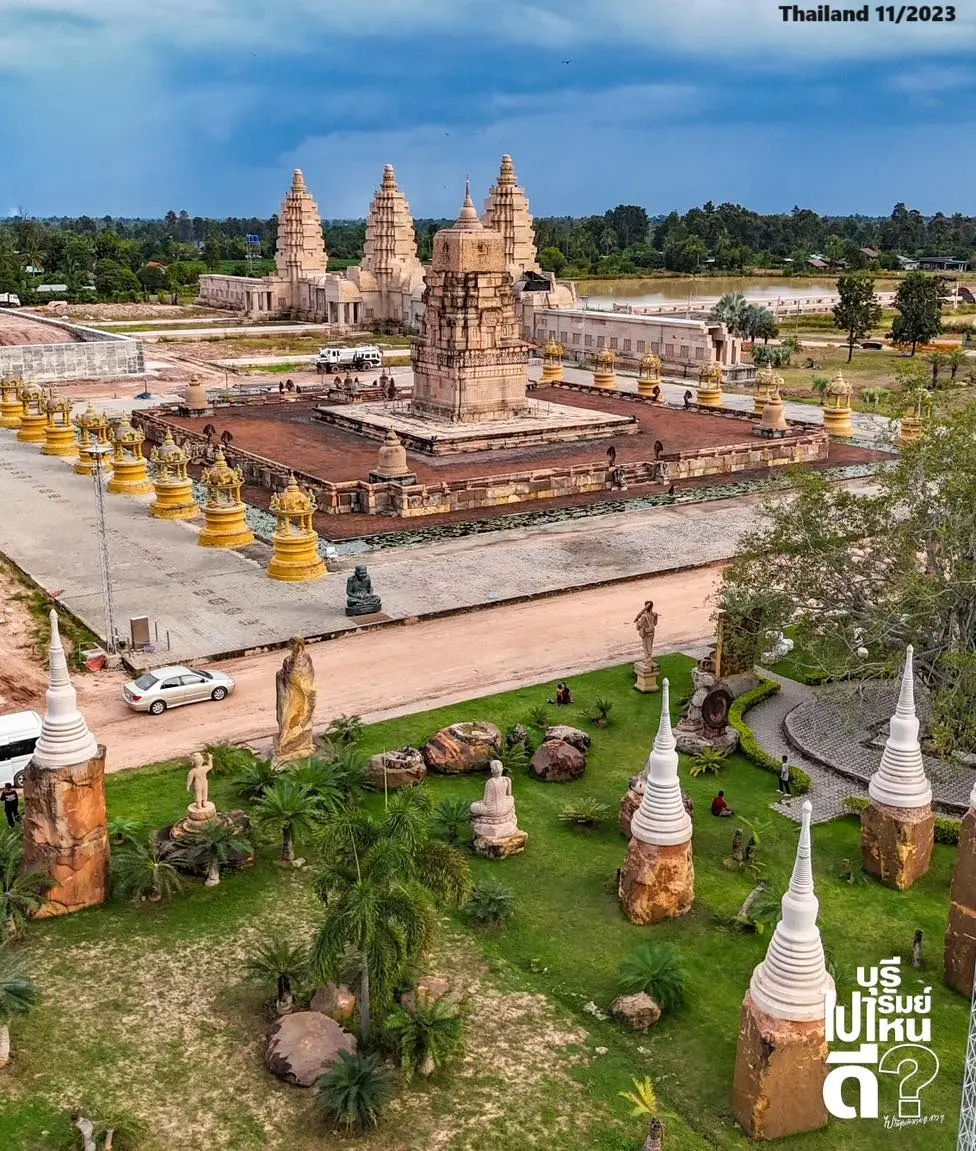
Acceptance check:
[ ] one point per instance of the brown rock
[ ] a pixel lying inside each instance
(492, 848)
(896, 843)
(628, 806)
(960, 940)
(638, 1012)
(780, 1068)
(558, 762)
(403, 768)
(571, 735)
(336, 1001)
(303, 1046)
(656, 883)
(429, 989)
(65, 833)
(462, 748)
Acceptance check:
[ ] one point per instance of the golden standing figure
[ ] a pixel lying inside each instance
(294, 706)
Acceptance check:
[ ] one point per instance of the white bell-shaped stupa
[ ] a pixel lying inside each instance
(900, 780)
(65, 739)
(792, 980)
(661, 818)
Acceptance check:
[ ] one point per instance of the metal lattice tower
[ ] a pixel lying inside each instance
(104, 562)
(967, 1114)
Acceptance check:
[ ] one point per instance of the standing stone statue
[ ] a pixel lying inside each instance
(196, 781)
(493, 819)
(360, 598)
(294, 706)
(646, 670)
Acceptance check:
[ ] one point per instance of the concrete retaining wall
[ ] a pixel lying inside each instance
(92, 355)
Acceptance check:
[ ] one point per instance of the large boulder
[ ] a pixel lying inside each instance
(303, 1046)
(638, 1012)
(429, 989)
(336, 1001)
(463, 748)
(402, 768)
(558, 762)
(571, 735)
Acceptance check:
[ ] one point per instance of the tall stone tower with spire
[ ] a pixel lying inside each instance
(300, 251)
(898, 825)
(469, 362)
(507, 212)
(65, 832)
(960, 938)
(657, 880)
(781, 1059)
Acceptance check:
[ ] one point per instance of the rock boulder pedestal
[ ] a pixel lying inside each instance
(896, 843)
(336, 1001)
(304, 1045)
(500, 847)
(462, 748)
(780, 1068)
(638, 1012)
(960, 940)
(557, 761)
(628, 805)
(657, 881)
(395, 769)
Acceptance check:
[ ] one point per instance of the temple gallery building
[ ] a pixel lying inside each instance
(388, 290)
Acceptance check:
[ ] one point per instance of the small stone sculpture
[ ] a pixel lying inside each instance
(360, 598)
(493, 819)
(294, 706)
(646, 670)
(201, 809)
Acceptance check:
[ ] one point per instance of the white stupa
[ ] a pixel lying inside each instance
(661, 818)
(65, 739)
(900, 781)
(792, 980)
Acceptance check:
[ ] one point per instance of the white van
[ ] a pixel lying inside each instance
(19, 733)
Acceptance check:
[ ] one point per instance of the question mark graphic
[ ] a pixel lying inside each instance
(912, 1062)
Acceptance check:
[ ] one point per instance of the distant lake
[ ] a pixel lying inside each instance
(601, 293)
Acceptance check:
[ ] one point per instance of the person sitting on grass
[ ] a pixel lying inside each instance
(720, 807)
(564, 697)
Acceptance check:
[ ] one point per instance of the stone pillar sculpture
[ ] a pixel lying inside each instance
(296, 556)
(224, 513)
(493, 821)
(92, 428)
(59, 432)
(65, 832)
(837, 407)
(710, 386)
(130, 476)
(897, 826)
(657, 880)
(960, 939)
(774, 411)
(173, 486)
(604, 375)
(552, 363)
(646, 670)
(294, 706)
(33, 415)
(10, 405)
(781, 1059)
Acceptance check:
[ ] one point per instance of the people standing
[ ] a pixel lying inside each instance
(784, 776)
(11, 804)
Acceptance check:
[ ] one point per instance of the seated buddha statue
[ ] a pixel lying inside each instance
(360, 599)
(494, 816)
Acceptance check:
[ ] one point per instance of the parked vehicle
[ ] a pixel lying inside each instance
(9, 300)
(19, 733)
(166, 687)
(364, 357)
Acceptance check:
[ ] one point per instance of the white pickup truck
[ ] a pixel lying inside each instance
(366, 356)
(9, 300)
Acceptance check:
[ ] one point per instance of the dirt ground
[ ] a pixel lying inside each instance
(133, 312)
(16, 328)
(22, 677)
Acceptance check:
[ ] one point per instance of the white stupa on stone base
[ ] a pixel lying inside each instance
(900, 780)
(661, 818)
(65, 739)
(792, 980)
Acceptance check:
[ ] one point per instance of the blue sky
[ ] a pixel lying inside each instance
(133, 107)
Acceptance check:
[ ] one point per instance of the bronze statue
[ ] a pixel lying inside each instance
(646, 623)
(360, 597)
(294, 706)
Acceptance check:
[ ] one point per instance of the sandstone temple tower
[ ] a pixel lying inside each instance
(507, 212)
(65, 832)
(300, 252)
(469, 362)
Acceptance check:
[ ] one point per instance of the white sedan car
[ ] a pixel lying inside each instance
(174, 686)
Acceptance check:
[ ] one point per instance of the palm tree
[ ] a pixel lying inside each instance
(955, 359)
(21, 892)
(354, 1091)
(140, 872)
(644, 1102)
(211, 846)
(283, 963)
(254, 779)
(429, 1036)
(17, 996)
(731, 310)
(288, 809)
(938, 360)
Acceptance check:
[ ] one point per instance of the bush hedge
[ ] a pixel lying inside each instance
(946, 830)
(748, 744)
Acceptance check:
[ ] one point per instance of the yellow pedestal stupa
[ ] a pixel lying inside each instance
(33, 415)
(174, 488)
(710, 386)
(130, 476)
(649, 377)
(837, 407)
(552, 363)
(774, 413)
(59, 432)
(764, 382)
(92, 428)
(604, 375)
(910, 431)
(224, 513)
(296, 556)
(10, 405)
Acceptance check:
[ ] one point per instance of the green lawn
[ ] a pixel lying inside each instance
(149, 1007)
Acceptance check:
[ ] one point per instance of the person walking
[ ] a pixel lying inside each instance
(11, 804)
(784, 777)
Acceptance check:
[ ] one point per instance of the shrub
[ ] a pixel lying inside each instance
(655, 969)
(354, 1092)
(748, 744)
(586, 812)
(539, 716)
(344, 730)
(253, 780)
(708, 762)
(140, 873)
(228, 758)
(122, 830)
(427, 1038)
(491, 903)
(516, 759)
(601, 712)
(451, 821)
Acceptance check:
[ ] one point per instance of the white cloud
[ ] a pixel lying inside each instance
(932, 81)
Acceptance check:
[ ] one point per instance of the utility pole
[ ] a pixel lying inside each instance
(98, 453)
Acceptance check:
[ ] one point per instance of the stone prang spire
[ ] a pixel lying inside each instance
(661, 818)
(65, 739)
(391, 242)
(791, 981)
(300, 251)
(900, 781)
(507, 212)
(468, 220)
